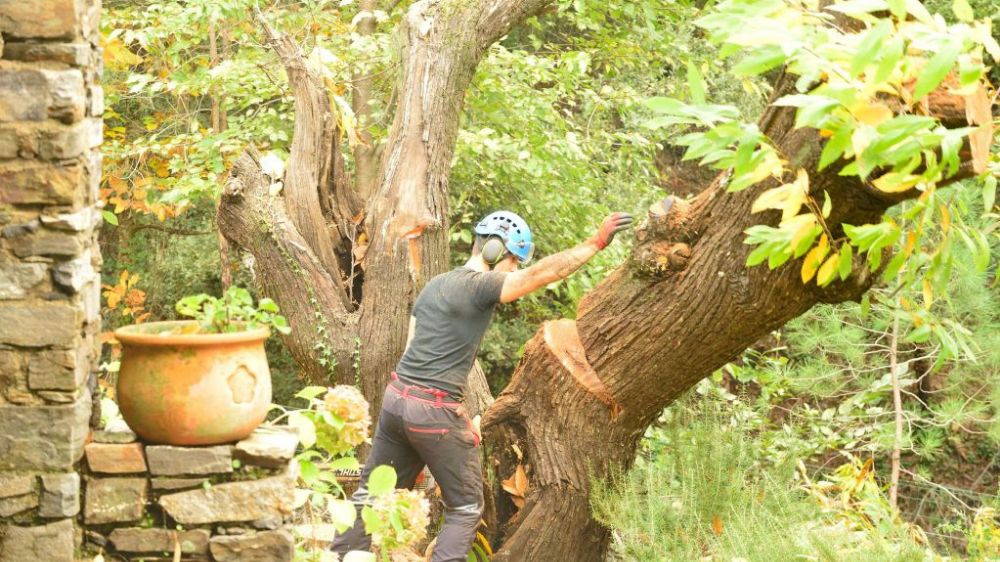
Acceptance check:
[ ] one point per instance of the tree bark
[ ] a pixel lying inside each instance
(682, 306)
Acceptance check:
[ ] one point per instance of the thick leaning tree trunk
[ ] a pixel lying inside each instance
(682, 306)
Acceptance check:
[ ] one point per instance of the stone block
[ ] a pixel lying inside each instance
(115, 459)
(16, 485)
(51, 543)
(75, 274)
(17, 278)
(47, 243)
(138, 540)
(17, 504)
(166, 460)
(40, 183)
(174, 484)
(42, 19)
(269, 546)
(43, 437)
(268, 446)
(58, 142)
(73, 54)
(31, 93)
(10, 143)
(96, 101)
(39, 324)
(83, 220)
(119, 437)
(233, 502)
(56, 369)
(60, 495)
(114, 500)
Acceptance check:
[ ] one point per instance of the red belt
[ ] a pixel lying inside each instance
(431, 396)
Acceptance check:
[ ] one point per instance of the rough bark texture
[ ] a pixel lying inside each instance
(681, 307)
(319, 273)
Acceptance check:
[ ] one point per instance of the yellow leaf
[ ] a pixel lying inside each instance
(814, 258)
(828, 270)
(804, 230)
(895, 183)
(945, 219)
(928, 293)
(717, 525)
(911, 242)
(874, 114)
(770, 199)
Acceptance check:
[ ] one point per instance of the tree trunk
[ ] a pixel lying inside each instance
(682, 306)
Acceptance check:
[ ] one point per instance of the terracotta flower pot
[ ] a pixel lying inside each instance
(192, 389)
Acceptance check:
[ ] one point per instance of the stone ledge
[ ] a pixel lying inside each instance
(139, 540)
(167, 460)
(255, 500)
(268, 546)
(268, 446)
(115, 459)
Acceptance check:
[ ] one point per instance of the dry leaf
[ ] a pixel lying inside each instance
(717, 524)
(517, 486)
(977, 112)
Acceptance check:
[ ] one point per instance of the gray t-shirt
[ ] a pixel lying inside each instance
(452, 312)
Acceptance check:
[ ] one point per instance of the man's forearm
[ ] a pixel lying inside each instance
(560, 265)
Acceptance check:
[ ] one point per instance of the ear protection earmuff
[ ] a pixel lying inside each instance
(494, 250)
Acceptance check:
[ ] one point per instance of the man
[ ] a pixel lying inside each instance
(422, 421)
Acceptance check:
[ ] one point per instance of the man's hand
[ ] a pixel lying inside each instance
(613, 224)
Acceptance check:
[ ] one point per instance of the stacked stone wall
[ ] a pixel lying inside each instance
(223, 503)
(50, 128)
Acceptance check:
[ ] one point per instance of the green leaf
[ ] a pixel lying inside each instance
(342, 513)
(962, 9)
(845, 261)
(310, 392)
(308, 472)
(892, 52)
(759, 61)
(381, 480)
(870, 46)
(304, 427)
(938, 67)
(835, 147)
(110, 217)
(696, 83)
(989, 193)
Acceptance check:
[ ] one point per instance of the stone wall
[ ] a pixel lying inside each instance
(226, 503)
(50, 128)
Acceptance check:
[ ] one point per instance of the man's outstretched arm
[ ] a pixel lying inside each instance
(559, 266)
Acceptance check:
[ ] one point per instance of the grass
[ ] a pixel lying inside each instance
(700, 492)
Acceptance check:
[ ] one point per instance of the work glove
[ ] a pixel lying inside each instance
(613, 224)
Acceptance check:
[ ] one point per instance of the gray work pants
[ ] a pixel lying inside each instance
(419, 427)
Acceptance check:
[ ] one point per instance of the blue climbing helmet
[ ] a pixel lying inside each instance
(512, 230)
